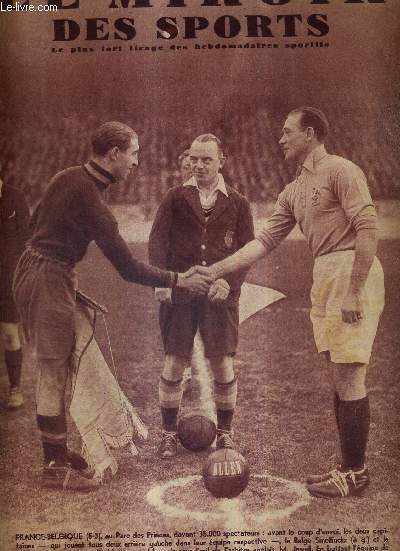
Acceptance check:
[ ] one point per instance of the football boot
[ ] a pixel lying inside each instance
(168, 446)
(339, 483)
(63, 476)
(225, 439)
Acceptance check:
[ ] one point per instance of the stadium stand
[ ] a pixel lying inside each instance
(33, 149)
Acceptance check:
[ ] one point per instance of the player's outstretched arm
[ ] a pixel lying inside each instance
(197, 280)
(242, 259)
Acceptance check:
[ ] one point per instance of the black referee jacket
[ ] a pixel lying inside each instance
(181, 237)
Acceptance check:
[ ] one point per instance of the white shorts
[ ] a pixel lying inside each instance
(346, 343)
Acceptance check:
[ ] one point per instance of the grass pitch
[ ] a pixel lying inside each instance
(284, 423)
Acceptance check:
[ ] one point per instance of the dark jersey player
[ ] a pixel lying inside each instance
(72, 214)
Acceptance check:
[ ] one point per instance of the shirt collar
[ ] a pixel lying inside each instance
(316, 155)
(221, 186)
(102, 177)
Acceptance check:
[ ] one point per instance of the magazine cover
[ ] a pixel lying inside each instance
(199, 325)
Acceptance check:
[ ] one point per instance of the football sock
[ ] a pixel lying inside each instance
(170, 397)
(225, 402)
(354, 419)
(53, 432)
(13, 360)
(224, 419)
(336, 402)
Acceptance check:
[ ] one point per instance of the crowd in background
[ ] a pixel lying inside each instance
(35, 148)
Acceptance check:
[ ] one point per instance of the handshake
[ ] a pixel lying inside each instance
(199, 281)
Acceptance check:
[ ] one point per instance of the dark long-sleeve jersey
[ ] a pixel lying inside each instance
(73, 213)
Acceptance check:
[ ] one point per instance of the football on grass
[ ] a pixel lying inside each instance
(196, 432)
(226, 473)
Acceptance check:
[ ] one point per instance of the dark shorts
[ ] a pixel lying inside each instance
(44, 292)
(8, 309)
(218, 326)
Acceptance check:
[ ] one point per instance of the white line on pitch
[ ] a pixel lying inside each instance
(232, 510)
(230, 513)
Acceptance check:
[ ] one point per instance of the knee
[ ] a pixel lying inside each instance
(222, 368)
(174, 366)
(53, 373)
(51, 386)
(349, 381)
(10, 336)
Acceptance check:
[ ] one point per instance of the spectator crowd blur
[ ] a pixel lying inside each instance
(34, 149)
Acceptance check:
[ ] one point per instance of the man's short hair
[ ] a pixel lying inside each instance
(112, 134)
(211, 138)
(314, 118)
(183, 156)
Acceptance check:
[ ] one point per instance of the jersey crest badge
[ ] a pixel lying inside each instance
(229, 239)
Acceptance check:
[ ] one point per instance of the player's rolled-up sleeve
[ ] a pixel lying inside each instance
(350, 186)
(278, 225)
